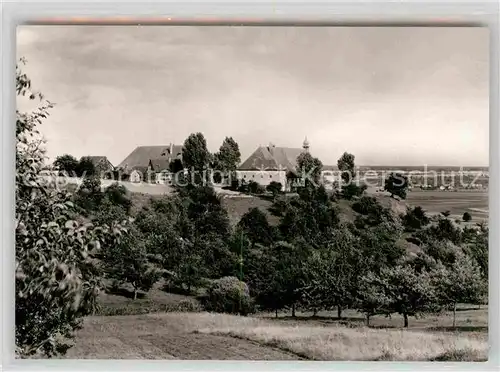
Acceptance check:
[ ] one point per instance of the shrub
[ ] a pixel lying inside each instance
(274, 188)
(255, 188)
(467, 217)
(227, 295)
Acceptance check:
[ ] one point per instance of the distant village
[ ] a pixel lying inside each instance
(274, 164)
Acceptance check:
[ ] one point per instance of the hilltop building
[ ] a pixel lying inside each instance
(153, 160)
(271, 163)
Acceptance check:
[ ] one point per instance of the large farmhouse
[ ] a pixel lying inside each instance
(154, 160)
(271, 164)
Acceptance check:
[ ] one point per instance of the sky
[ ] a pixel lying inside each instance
(389, 95)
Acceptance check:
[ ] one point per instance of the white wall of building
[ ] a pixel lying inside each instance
(263, 178)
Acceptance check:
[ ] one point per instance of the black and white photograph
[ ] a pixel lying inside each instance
(252, 192)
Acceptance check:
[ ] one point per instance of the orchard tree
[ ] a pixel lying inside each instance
(397, 185)
(371, 298)
(256, 227)
(127, 262)
(56, 279)
(410, 293)
(462, 282)
(346, 167)
(67, 164)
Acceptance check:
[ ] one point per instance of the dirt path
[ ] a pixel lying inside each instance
(150, 337)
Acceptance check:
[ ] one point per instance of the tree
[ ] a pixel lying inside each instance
(308, 169)
(56, 277)
(118, 195)
(196, 159)
(333, 272)
(228, 157)
(397, 185)
(467, 217)
(127, 262)
(89, 195)
(371, 298)
(274, 188)
(415, 219)
(86, 168)
(462, 282)
(347, 167)
(446, 214)
(255, 226)
(409, 292)
(67, 164)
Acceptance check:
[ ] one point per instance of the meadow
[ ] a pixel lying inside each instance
(201, 335)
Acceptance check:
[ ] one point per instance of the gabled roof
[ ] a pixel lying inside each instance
(96, 160)
(272, 158)
(160, 164)
(141, 156)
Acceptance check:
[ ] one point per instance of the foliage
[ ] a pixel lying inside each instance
(127, 262)
(255, 226)
(228, 157)
(274, 188)
(89, 195)
(86, 168)
(308, 169)
(461, 282)
(346, 166)
(310, 216)
(351, 191)
(118, 195)
(255, 188)
(410, 293)
(415, 219)
(476, 245)
(56, 277)
(371, 298)
(196, 158)
(332, 272)
(467, 217)
(228, 295)
(397, 185)
(67, 164)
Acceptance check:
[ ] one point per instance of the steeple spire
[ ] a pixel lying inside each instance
(305, 145)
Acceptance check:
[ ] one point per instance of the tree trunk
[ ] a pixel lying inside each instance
(454, 314)
(479, 306)
(135, 294)
(315, 312)
(339, 312)
(276, 312)
(405, 316)
(367, 320)
(293, 311)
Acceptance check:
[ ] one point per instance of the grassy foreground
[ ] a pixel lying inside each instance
(204, 335)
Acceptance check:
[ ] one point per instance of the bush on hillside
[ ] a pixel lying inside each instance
(227, 295)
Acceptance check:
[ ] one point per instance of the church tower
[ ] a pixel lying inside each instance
(305, 145)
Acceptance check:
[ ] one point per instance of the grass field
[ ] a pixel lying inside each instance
(151, 333)
(474, 202)
(219, 336)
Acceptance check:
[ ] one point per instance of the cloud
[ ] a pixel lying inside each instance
(405, 95)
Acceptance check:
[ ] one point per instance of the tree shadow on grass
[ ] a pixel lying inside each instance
(459, 329)
(124, 292)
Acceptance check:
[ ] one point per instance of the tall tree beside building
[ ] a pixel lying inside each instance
(228, 157)
(67, 164)
(196, 158)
